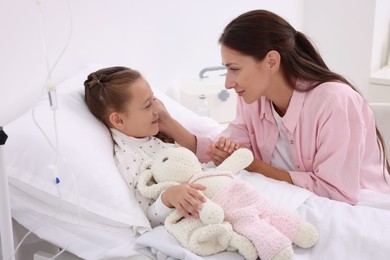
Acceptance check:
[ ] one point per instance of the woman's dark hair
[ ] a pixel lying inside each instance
(257, 32)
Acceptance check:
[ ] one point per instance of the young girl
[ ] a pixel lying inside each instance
(123, 100)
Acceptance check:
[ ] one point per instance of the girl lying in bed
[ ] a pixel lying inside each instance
(123, 100)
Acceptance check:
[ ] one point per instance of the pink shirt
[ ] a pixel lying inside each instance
(332, 135)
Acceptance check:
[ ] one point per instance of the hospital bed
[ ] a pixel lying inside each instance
(66, 188)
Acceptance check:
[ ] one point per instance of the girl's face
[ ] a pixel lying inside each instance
(249, 78)
(141, 116)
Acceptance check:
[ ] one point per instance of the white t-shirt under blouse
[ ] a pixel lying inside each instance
(281, 157)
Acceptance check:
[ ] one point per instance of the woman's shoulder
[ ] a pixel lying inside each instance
(332, 88)
(335, 93)
(336, 98)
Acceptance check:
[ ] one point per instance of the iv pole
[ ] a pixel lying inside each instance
(7, 241)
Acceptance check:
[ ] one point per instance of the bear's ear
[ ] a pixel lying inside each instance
(146, 183)
(148, 187)
(146, 165)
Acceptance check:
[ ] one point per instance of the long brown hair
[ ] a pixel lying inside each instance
(257, 32)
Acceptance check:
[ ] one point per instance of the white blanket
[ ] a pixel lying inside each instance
(345, 231)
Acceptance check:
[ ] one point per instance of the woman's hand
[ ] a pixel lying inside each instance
(185, 198)
(164, 118)
(227, 145)
(173, 129)
(222, 149)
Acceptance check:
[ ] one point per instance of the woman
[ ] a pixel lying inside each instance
(305, 124)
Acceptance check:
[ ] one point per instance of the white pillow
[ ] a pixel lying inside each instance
(87, 174)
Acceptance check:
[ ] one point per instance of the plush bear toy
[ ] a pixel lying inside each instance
(230, 200)
(206, 235)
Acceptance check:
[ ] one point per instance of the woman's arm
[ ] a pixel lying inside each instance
(269, 171)
(179, 133)
(225, 147)
(172, 128)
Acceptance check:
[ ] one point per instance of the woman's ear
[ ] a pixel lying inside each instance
(116, 120)
(273, 60)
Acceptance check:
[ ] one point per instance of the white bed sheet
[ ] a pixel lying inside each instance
(346, 232)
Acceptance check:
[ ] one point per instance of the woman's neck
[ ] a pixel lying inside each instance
(280, 95)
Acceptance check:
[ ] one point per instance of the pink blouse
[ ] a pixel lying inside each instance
(333, 141)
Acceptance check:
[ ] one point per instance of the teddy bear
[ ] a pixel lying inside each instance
(207, 235)
(230, 202)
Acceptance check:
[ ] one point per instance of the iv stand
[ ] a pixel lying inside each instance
(7, 242)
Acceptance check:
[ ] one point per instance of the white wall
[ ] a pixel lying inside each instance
(343, 33)
(380, 52)
(173, 38)
(381, 36)
(163, 39)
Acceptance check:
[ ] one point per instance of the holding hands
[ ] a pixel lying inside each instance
(222, 149)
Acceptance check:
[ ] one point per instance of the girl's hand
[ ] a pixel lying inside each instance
(185, 198)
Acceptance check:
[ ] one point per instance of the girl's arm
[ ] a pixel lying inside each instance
(184, 197)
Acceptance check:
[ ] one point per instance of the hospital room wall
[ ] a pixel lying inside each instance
(168, 39)
(163, 39)
(352, 35)
(381, 36)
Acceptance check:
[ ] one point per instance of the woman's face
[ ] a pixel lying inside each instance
(248, 77)
(141, 116)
